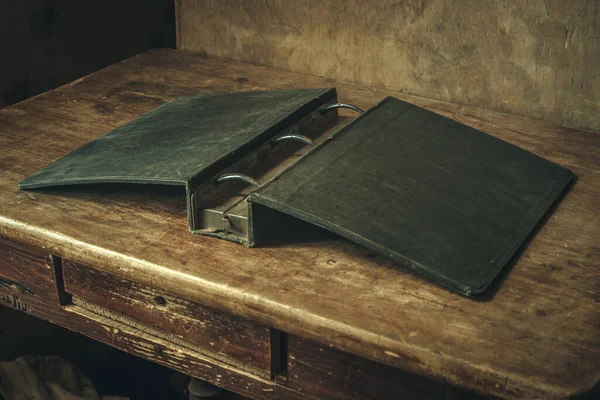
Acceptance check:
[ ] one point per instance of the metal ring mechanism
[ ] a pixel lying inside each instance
(293, 136)
(342, 105)
(236, 177)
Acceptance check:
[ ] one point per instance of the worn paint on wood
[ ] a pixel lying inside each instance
(141, 342)
(536, 335)
(27, 271)
(231, 339)
(352, 378)
(536, 59)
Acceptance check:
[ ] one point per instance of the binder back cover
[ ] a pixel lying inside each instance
(444, 199)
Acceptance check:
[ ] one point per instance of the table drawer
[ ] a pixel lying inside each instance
(26, 271)
(225, 337)
(321, 372)
(141, 343)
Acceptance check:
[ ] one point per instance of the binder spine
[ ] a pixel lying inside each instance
(219, 205)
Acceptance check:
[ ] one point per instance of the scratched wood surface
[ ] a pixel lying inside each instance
(535, 58)
(139, 341)
(536, 335)
(222, 336)
(318, 371)
(27, 270)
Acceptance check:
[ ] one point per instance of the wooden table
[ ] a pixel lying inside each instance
(326, 319)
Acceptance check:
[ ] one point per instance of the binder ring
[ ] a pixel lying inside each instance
(342, 105)
(239, 177)
(299, 138)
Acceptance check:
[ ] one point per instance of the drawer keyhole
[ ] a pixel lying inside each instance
(161, 301)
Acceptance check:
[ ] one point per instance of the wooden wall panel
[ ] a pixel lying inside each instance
(537, 58)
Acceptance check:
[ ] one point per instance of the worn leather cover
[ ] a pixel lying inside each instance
(184, 141)
(444, 199)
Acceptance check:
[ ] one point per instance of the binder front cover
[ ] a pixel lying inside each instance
(437, 196)
(184, 141)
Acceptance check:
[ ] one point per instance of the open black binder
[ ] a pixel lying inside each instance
(443, 199)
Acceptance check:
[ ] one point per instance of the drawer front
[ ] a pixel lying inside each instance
(144, 344)
(26, 271)
(224, 337)
(321, 372)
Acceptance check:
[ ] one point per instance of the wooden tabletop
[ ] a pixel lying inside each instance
(537, 334)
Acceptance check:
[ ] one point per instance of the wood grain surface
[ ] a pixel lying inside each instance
(318, 371)
(27, 271)
(536, 335)
(97, 324)
(537, 59)
(222, 336)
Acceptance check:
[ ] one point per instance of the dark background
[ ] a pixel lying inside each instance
(47, 43)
